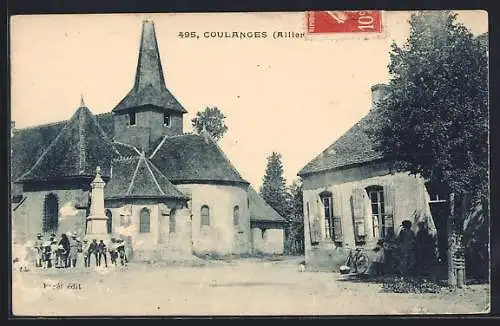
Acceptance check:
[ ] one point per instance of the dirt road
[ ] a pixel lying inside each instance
(242, 287)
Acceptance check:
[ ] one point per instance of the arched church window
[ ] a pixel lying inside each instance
(205, 215)
(236, 215)
(51, 213)
(171, 221)
(144, 221)
(109, 221)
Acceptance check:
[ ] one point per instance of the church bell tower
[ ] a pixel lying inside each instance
(149, 111)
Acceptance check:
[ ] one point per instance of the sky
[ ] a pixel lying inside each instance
(295, 96)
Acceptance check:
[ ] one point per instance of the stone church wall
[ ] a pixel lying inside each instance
(165, 240)
(221, 237)
(28, 217)
(148, 128)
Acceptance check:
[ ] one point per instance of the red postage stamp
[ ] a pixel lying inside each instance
(336, 22)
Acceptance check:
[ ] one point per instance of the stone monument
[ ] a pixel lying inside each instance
(97, 219)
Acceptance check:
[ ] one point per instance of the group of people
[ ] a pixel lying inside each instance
(408, 252)
(69, 250)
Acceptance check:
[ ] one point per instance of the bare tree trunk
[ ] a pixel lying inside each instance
(452, 279)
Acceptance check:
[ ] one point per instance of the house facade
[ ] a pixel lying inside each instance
(353, 198)
(168, 193)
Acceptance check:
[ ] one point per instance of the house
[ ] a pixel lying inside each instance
(169, 193)
(353, 198)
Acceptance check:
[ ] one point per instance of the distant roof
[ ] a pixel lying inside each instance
(79, 147)
(353, 147)
(260, 210)
(137, 177)
(149, 87)
(191, 158)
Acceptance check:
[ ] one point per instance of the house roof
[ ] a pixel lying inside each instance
(149, 87)
(193, 158)
(137, 177)
(260, 210)
(353, 147)
(78, 148)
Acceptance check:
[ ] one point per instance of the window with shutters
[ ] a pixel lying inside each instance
(205, 215)
(144, 221)
(327, 203)
(326, 198)
(377, 201)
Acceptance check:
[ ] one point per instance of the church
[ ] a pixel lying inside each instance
(168, 193)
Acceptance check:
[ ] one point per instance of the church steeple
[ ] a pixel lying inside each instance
(149, 70)
(149, 111)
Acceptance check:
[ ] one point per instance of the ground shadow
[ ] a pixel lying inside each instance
(432, 282)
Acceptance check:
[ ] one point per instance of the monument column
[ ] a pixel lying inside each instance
(97, 220)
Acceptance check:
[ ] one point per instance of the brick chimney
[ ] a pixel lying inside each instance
(379, 92)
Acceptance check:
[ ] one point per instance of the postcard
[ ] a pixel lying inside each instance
(273, 163)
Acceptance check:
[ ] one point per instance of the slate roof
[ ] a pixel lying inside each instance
(192, 157)
(28, 144)
(353, 147)
(137, 177)
(149, 87)
(78, 148)
(260, 210)
(126, 150)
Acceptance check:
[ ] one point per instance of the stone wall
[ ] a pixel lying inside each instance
(267, 241)
(164, 241)
(221, 237)
(28, 217)
(148, 128)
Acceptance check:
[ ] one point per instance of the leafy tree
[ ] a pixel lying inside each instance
(294, 242)
(434, 121)
(273, 189)
(210, 119)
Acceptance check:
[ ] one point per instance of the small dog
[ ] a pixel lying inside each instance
(302, 267)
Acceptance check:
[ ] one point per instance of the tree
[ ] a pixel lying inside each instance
(294, 232)
(273, 189)
(210, 119)
(434, 121)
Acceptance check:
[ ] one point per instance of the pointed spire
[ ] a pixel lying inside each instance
(149, 69)
(82, 102)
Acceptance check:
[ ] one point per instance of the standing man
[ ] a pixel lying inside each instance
(93, 250)
(39, 250)
(53, 251)
(73, 251)
(120, 248)
(86, 252)
(406, 242)
(102, 253)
